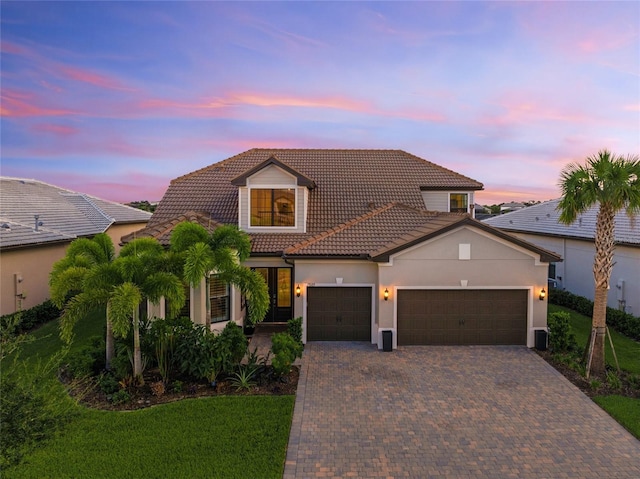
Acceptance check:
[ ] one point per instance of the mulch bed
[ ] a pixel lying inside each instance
(90, 395)
(586, 385)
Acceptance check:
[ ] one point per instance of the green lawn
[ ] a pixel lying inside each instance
(627, 350)
(222, 437)
(625, 410)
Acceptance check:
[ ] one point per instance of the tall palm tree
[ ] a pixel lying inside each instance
(146, 270)
(222, 252)
(86, 259)
(613, 182)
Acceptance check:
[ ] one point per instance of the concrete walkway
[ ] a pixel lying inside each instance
(448, 412)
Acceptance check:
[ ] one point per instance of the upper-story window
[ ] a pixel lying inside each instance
(273, 207)
(459, 202)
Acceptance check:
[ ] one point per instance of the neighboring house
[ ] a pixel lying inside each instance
(37, 223)
(575, 243)
(358, 242)
(507, 207)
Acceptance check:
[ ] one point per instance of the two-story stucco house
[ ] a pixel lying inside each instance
(358, 242)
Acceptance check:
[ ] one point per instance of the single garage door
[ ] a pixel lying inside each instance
(338, 314)
(462, 317)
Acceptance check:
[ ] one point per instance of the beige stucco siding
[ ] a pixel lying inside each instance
(493, 264)
(117, 231)
(575, 273)
(338, 273)
(33, 265)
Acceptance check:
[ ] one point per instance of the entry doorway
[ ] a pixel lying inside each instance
(280, 293)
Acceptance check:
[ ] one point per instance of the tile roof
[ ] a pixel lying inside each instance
(162, 231)
(348, 183)
(64, 214)
(542, 219)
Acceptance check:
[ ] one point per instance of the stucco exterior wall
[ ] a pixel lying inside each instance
(33, 265)
(117, 231)
(333, 273)
(575, 273)
(492, 264)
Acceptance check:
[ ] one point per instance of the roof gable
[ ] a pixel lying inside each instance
(241, 180)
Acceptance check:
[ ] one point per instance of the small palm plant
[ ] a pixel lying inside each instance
(244, 378)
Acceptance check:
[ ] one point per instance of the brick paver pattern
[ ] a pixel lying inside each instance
(448, 412)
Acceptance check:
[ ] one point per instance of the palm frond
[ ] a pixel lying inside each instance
(141, 246)
(167, 285)
(65, 282)
(77, 308)
(125, 299)
(230, 236)
(198, 262)
(186, 234)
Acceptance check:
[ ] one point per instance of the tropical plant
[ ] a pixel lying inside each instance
(244, 378)
(86, 259)
(613, 183)
(285, 351)
(221, 252)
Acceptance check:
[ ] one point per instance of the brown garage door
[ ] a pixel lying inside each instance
(462, 317)
(338, 314)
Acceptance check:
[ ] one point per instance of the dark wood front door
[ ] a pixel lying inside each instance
(280, 293)
(339, 314)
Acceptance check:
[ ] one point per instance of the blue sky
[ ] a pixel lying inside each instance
(117, 98)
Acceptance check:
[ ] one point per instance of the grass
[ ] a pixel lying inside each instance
(222, 437)
(627, 350)
(234, 437)
(623, 409)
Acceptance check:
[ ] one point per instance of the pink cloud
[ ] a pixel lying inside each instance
(20, 104)
(92, 78)
(60, 130)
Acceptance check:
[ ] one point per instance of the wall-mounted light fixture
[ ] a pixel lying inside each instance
(386, 294)
(543, 294)
(298, 290)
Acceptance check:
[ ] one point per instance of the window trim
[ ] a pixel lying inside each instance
(296, 205)
(461, 194)
(210, 318)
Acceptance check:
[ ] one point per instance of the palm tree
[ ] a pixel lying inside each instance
(143, 270)
(221, 252)
(146, 272)
(86, 259)
(613, 182)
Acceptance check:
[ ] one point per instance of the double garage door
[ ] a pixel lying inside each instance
(448, 317)
(463, 317)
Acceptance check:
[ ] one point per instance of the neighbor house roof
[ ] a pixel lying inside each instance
(62, 215)
(543, 219)
(349, 183)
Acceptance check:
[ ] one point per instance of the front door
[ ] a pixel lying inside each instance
(280, 293)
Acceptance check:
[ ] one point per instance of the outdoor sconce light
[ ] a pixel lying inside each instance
(543, 294)
(386, 294)
(298, 290)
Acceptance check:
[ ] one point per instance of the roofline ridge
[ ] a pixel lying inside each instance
(211, 166)
(341, 227)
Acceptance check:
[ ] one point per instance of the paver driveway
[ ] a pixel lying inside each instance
(441, 412)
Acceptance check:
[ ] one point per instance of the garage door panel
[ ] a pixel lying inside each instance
(462, 317)
(339, 314)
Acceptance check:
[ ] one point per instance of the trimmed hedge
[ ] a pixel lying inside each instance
(25, 321)
(622, 322)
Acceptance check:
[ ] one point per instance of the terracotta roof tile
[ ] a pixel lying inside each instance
(348, 183)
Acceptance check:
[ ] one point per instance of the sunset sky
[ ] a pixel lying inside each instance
(115, 99)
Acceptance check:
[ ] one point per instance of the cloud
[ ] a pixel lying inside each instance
(59, 130)
(19, 104)
(92, 78)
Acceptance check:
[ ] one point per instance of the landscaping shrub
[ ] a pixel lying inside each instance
(87, 361)
(285, 350)
(295, 328)
(195, 352)
(561, 337)
(231, 347)
(622, 322)
(160, 343)
(33, 407)
(24, 321)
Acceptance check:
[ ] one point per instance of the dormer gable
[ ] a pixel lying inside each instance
(273, 198)
(302, 180)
